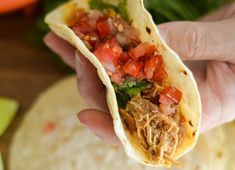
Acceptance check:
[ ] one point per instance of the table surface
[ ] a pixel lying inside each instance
(25, 71)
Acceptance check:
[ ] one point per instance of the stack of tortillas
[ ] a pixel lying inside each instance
(51, 138)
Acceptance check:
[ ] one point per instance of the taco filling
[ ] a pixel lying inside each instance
(148, 102)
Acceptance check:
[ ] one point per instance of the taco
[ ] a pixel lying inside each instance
(152, 96)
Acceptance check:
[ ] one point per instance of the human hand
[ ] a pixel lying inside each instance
(90, 88)
(206, 46)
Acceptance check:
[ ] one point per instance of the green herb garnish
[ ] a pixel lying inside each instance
(130, 88)
(122, 98)
(133, 87)
(120, 8)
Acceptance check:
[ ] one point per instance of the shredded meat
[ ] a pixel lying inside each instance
(129, 120)
(152, 92)
(157, 132)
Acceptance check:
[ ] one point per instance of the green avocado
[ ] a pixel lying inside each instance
(8, 109)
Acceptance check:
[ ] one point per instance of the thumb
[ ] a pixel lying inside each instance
(201, 40)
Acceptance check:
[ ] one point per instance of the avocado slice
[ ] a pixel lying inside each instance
(8, 109)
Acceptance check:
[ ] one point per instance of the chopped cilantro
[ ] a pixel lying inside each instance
(120, 8)
(130, 88)
(122, 98)
(99, 4)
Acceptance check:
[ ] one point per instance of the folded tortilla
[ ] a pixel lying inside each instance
(178, 75)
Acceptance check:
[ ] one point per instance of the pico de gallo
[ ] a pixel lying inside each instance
(149, 104)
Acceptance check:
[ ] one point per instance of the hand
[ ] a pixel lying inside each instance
(208, 48)
(90, 88)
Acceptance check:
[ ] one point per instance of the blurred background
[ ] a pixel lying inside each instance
(27, 67)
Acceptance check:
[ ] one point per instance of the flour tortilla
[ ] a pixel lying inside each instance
(71, 146)
(180, 77)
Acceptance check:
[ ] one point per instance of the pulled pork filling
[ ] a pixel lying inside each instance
(148, 102)
(157, 132)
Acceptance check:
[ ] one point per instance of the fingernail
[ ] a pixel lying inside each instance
(79, 64)
(164, 35)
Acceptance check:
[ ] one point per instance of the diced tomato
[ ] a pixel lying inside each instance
(170, 95)
(103, 28)
(92, 23)
(167, 108)
(165, 100)
(112, 47)
(117, 77)
(102, 18)
(117, 49)
(132, 68)
(82, 16)
(109, 54)
(160, 74)
(138, 51)
(141, 75)
(81, 28)
(123, 58)
(151, 49)
(150, 66)
(113, 43)
(159, 61)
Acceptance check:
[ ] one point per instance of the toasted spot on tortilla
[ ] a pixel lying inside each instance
(184, 72)
(190, 123)
(194, 133)
(148, 30)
